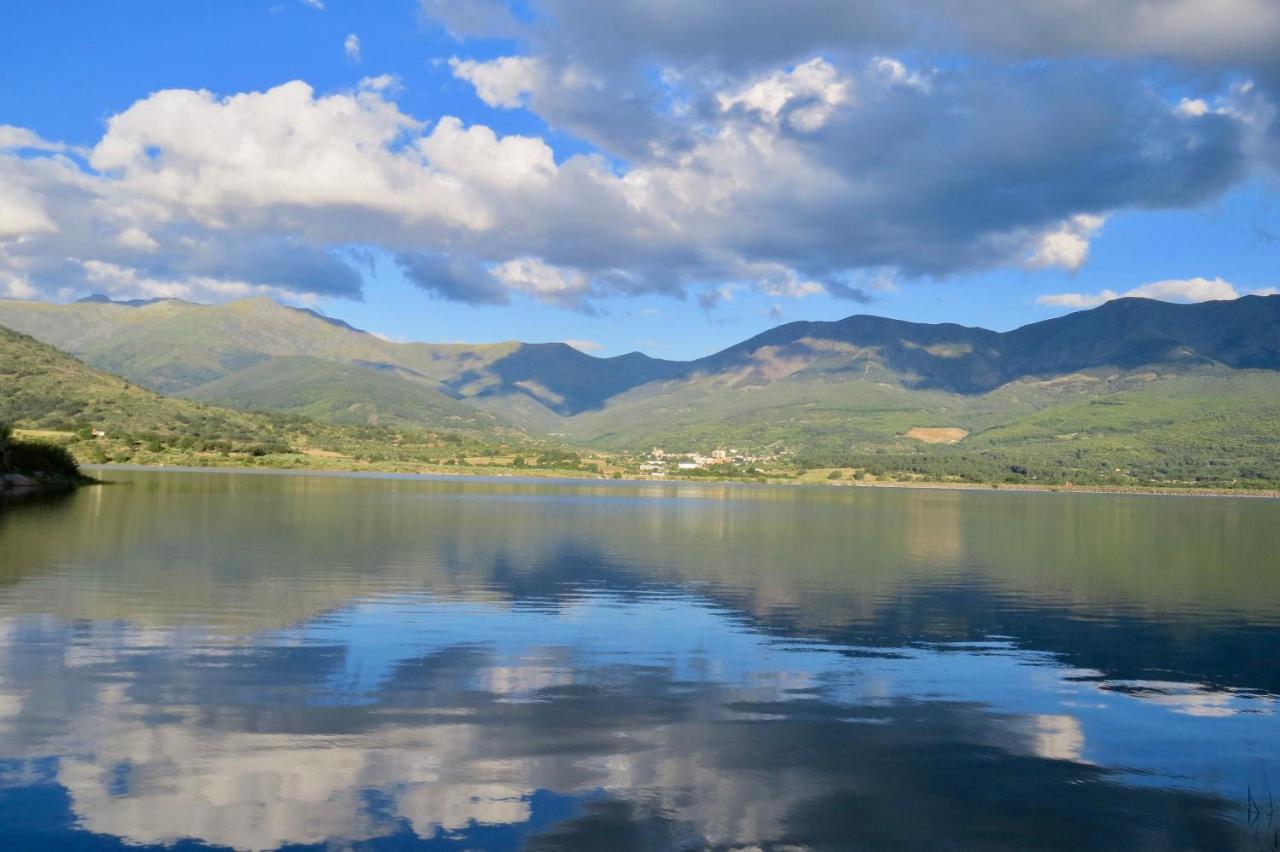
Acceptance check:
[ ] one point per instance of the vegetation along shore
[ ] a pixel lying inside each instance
(33, 467)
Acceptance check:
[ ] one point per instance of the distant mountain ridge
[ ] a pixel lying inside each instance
(253, 353)
(1125, 333)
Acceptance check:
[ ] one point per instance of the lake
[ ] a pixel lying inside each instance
(195, 660)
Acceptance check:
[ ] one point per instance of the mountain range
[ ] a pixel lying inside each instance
(858, 383)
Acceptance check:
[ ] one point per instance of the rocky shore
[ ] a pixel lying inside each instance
(18, 485)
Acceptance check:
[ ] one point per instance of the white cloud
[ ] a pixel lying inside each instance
(779, 281)
(315, 4)
(808, 93)
(125, 283)
(136, 238)
(1192, 107)
(22, 213)
(385, 84)
(13, 286)
(588, 346)
(502, 82)
(936, 166)
(351, 47)
(892, 72)
(792, 181)
(480, 157)
(15, 138)
(1170, 290)
(566, 287)
(244, 157)
(1068, 244)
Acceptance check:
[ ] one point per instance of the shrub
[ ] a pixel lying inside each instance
(28, 457)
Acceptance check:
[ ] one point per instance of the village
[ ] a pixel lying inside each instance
(659, 463)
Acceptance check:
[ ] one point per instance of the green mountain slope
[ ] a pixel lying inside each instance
(341, 393)
(176, 347)
(1208, 427)
(821, 409)
(100, 417)
(859, 384)
(44, 388)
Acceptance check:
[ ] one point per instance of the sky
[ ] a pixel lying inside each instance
(664, 175)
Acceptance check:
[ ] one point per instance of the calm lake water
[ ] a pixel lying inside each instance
(197, 660)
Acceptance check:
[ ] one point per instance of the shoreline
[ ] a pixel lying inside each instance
(569, 477)
(27, 487)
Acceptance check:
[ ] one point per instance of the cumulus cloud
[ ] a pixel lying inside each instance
(18, 138)
(502, 82)
(135, 238)
(781, 281)
(1068, 245)
(808, 93)
(249, 155)
(22, 213)
(729, 145)
(950, 170)
(351, 47)
(568, 288)
(588, 346)
(803, 178)
(1194, 107)
(1170, 290)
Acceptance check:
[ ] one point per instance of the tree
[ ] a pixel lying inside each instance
(6, 444)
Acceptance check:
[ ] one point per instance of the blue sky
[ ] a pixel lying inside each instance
(656, 176)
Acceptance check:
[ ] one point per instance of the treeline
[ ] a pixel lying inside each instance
(934, 466)
(1081, 467)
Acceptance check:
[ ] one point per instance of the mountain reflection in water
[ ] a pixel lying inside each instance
(257, 661)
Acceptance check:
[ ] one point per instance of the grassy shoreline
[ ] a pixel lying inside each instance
(449, 473)
(369, 457)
